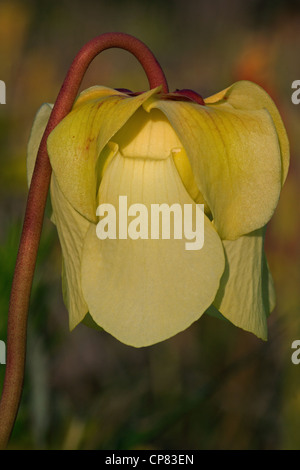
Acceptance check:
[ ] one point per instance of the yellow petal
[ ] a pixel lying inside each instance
(246, 295)
(143, 291)
(147, 135)
(75, 144)
(235, 158)
(186, 174)
(39, 125)
(93, 93)
(71, 228)
(247, 95)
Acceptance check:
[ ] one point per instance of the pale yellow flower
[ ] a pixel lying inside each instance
(231, 155)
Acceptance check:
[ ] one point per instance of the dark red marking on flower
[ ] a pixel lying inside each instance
(124, 90)
(191, 95)
(177, 95)
(88, 142)
(129, 92)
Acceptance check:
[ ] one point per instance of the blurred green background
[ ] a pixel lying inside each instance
(212, 386)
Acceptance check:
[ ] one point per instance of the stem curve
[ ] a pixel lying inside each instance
(34, 215)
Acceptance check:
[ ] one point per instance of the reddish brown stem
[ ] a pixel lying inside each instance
(34, 215)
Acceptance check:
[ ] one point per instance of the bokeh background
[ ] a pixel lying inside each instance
(213, 386)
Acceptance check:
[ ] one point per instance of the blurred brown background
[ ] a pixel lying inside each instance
(212, 386)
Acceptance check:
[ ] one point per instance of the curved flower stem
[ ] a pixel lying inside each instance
(34, 215)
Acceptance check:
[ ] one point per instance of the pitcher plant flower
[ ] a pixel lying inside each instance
(228, 154)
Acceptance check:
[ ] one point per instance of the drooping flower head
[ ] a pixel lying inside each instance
(229, 153)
